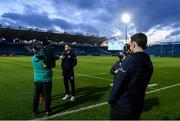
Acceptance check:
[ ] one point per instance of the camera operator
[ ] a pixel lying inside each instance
(42, 95)
(127, 94)
(43, 61)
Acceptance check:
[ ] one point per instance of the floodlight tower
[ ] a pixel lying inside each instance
(125, 19)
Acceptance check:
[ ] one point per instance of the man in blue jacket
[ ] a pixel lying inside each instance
(127, 95)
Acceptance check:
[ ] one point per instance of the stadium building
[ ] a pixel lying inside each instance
(19, 41)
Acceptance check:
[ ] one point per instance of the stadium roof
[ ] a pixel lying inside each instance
(29, 34)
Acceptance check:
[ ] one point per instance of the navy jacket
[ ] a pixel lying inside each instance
(130, 83)
(69, 60)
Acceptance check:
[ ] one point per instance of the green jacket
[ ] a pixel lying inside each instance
(41, 73)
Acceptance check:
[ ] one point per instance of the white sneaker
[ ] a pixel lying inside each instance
(111, 84)
(65, 97)
(72, 99)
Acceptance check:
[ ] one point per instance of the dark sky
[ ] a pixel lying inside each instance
(159, 19)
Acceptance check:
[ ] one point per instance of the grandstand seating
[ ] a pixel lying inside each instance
(83, 50)
(92, 50)
(154, 50)
(24, 49)
(165, 50)
(15, 41)
(13, 49)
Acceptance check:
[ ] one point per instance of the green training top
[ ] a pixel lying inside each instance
(41, 73)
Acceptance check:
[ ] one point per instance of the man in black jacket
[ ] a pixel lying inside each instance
(117, 65)
(127, 95)
(68, 62)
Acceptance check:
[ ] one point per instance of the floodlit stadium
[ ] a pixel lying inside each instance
(96, 40)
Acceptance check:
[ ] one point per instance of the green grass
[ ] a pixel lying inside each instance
(16, 89)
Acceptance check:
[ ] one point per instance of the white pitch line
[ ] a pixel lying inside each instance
(152, 85)
(57, 70)
(73, 111)
(163, 88)
(97, 105)
(93, 76)
(99, 74)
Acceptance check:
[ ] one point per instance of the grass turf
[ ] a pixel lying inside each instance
(92, 87)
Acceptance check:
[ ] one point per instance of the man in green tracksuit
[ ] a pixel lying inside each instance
(42, 80)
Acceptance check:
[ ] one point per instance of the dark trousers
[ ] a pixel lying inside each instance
(117, 113)
(39, 88)
(42, 93)
(69, 76)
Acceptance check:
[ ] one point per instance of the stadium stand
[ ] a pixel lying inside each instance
(154, 50)
(10, 44)
(165, 50)
(13, 49)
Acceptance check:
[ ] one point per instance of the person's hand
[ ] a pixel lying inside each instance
(61, 57)
(116, 71)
